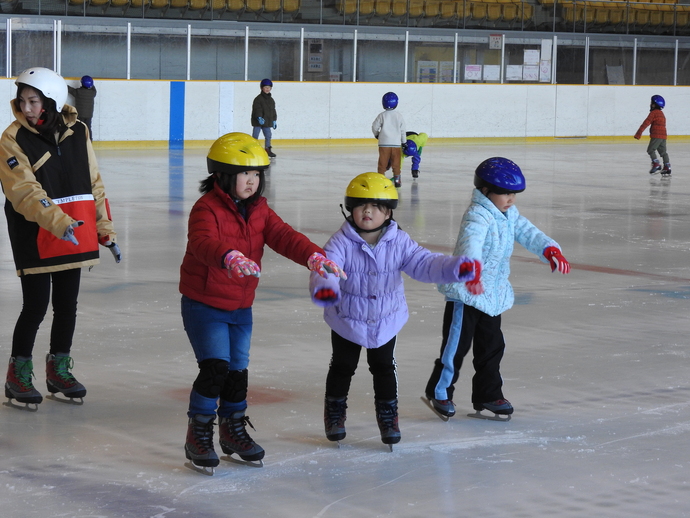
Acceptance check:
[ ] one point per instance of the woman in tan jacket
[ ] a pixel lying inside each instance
(57, 214)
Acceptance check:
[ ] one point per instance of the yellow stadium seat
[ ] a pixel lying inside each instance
(510, 12)
(119, 3)
(366, 7)
(479, 10)
(493, 12)
(158, 4)
(235, 5)
(432, 8)
(526, 12)
(416, 9)
(382, 7)
(399, 8)
(254, 6)
(348, 6)
(448, 10)
(272, 6)
(291, 6)
(99, 3)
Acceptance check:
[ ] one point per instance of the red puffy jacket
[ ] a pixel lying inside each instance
(216, 227)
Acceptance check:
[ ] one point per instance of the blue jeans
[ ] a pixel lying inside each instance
(220, 334)
(267, 134)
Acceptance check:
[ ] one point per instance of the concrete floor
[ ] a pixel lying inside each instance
(596, 362)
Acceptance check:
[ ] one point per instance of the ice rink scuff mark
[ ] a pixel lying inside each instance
(369, 490)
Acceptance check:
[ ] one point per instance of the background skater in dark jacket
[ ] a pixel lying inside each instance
(264, 116)
(84, 97)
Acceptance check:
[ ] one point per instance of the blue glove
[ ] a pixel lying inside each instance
(69, 233)
(261, 120)
(275, 125)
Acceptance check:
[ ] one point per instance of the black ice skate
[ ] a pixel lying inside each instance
(387, 419)
(501, 409)
(396, 181)
(656, 167)
(666, 171)
(18, 385)
(334, 415)
(270, 153)
(415, 173)
(444, 408)
(234, 439)
(199, 444)
(59, 379)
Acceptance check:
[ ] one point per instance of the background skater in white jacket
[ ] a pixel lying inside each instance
(389, 129)
(489, 228)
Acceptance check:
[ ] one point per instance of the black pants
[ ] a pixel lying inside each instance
(36, 295)
(344, 363)
(463, 327)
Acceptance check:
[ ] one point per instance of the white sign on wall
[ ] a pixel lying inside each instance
(473, 72)
(495, 41)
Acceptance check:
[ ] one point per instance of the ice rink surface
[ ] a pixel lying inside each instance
(596, 365)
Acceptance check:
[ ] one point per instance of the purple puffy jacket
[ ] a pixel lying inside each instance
(370, 308)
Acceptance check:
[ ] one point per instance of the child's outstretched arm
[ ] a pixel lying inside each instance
(320, 264)
(555, 257)
(643, 126)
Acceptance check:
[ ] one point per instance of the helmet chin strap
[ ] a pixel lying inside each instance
(351, 221)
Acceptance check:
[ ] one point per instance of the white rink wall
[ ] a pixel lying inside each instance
(141, 111)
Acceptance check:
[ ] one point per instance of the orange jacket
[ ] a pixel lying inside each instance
(658, 121)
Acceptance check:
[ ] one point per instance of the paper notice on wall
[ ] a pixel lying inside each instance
(492, 72)
(473, 72)
(531, 57)
(514, 73)
(427, 71)
(530, 73)
(546, 46)
(446, 72)
(544, 71)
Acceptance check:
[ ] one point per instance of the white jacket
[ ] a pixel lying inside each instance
(389, 128)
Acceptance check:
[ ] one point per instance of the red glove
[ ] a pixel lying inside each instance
(556, 259)
(323, 266)
(326, 294)
(475, 285)
(236, 262)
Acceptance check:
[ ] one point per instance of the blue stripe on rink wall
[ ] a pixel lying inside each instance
(176, 139)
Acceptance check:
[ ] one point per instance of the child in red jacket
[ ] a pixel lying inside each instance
(228, 228)
(657, 136)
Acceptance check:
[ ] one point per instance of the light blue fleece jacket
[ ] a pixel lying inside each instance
(486, 234)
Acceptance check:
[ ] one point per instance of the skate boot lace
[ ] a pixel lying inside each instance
(23, 372)
(203, 434)
(62, 366)
(388, 417)
(335, 411)
(239, 432)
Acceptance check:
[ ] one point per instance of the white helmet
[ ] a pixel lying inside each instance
(50, 84)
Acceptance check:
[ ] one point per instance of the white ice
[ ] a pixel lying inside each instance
(596, 363)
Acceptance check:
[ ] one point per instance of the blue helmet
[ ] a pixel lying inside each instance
(499, 175)
(87, 81)
(410, 148)
(658, 100)
(266, 82)
(389, 101)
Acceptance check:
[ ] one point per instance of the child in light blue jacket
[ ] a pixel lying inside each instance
(488, 230)
(369, 309)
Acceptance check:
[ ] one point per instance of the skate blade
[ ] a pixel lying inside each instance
(204, 470)
(496, 417)
(29, 407)
(250, 463)
(67, 400)
(431, 406)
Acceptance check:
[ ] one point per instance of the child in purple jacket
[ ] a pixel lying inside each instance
(368, 309)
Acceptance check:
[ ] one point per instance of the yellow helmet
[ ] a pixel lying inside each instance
(371, 187)
(236, 152)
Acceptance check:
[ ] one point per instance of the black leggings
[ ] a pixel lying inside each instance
(344, 363)
(36, 295)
